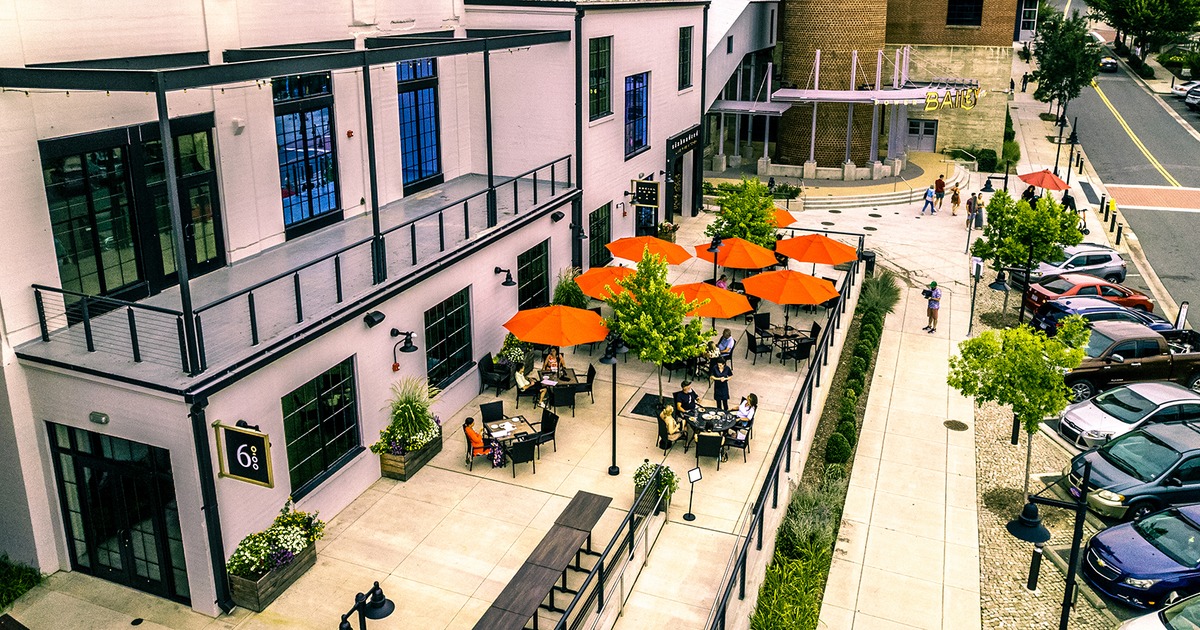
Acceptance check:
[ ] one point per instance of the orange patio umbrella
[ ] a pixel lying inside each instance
(1044, 179)
(789, 287)
(722, 303)
(783, 218)
(557, 326)
(737, 253)
(597, 282)
(816, 248)
(633, 247)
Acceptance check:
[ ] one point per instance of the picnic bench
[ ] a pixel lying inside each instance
(537, 580)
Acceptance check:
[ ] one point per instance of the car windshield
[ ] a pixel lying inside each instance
(1124, 404)
(1057, 286)
(1097, 344)
(1185, 616)
(1139, 455)
(1175, 536)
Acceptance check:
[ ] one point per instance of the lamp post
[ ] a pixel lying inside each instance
(715, 248)
(977, 266)
(1061, 123)
(369, 605)
(1073, 138)
(1028, 527)
(614, 347)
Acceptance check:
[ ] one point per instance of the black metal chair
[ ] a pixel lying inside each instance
(762, 323)
(546, 429)
(492, 411)
(754, 302)
(675, 366)
(471, 452)
(801, 350)
(742, 442)
(753, 344)
(815, 331)
(522, 451)
(586, 386)
(664, 437)
(563, 396)
(492, 375)
(709, 445)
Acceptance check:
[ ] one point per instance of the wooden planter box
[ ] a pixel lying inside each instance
(643, 508)
(403, 467)
(258, 594)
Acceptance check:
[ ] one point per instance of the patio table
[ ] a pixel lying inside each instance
(716, 420)
(551, 378)
(509, 429)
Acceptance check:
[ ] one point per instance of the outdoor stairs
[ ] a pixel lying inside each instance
(904, 195)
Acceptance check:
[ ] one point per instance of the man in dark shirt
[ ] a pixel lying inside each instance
(939, 191)
(685, 399)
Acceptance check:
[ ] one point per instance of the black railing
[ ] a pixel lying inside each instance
(781, 463)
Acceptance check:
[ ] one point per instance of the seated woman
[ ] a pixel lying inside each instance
(747, 408)
(722, 282)
(478, 447)
(554, 360)
(675, 429)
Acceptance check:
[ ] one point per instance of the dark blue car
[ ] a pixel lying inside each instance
(1148, 563)
(1050, 315)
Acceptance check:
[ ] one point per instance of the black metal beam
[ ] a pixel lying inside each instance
(145, 62)
(78, 79)
(239, 55)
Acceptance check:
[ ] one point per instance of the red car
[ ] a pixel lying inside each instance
(1077, 284)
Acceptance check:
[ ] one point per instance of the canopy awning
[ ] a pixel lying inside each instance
(762, 108)
(906, 95)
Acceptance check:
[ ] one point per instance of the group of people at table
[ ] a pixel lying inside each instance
(733, 427)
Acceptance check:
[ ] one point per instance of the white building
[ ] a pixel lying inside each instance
(419, 146)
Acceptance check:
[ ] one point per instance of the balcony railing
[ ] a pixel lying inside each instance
(232, 325)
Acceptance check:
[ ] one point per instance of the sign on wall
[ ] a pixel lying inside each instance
(965, 98)
(244, 453)
(645, 192)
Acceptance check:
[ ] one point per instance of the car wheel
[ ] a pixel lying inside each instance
(1140, 510)
(1083, 390)
(1113, 278)
(1194, 383)
(1172, 597)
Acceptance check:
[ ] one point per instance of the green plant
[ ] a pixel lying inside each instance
(1011, 152)
(870, 332)
(879, 295)
(1009, 132)
(848, 406)
(1145, 71)
(858, 365)
(987, 160)
(567, 291)
(668, 481)
(747, 212)
(277, 545)
(289, 516)
(16, 579)
(412, 423)
(863, 350)
(707, 188)
(835, 472)
(837, 449)
(787, 191)
(513, 351)
(853, 385)
(849, 430)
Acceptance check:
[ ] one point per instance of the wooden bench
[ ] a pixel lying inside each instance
(537, 579)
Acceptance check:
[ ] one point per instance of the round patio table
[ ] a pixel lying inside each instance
(711, 420)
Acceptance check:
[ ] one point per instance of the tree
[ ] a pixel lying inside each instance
(652, 319)
(1022, 368)
(1151, 22)
(1067, 57)
(747, 212)
(1018, 234)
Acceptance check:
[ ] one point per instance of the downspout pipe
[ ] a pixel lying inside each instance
(698, 156)
(577, 207)
(208, 498)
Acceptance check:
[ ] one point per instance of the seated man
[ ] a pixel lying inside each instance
(686, 400)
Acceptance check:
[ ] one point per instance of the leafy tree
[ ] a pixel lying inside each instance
(1022, 368)
(1067, 57)
(652, 319)
(1017, 233)
(1151, 22)
(567, 291)
(747, 212)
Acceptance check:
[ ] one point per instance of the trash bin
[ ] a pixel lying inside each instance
(868, 257)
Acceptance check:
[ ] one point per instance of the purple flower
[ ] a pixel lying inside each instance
(280, 557)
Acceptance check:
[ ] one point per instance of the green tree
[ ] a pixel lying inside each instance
(652, 319)
(1067, 58)
(1151, 22)
(747, 212)
(1017, 234)
(1022, 368)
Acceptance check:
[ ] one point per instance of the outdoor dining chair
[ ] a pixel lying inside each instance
(753, 344)
(563, 396)
(709, 445)
(492, 411)
(520, 452)
(741, 438)
(546, 429)
(531, 392)
(471, 452)
(586, 386)
(492, 375)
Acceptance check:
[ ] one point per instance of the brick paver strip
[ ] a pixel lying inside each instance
(1156, 197)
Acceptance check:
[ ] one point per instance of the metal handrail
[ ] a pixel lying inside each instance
(105, 298)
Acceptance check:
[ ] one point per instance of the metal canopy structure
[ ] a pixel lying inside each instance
(909, 94)
(764, 108)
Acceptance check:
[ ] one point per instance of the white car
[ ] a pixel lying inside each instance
(1181, 89)
(1182, 615)
(1122, 409)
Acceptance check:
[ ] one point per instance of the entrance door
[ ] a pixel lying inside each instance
(647, 221)
(675, 197)
(118, 502)
(922, 135)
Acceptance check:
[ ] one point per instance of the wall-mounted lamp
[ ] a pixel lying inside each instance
(373, 319)
(407, 347)
(624, 209)
(508, 281)
(557, 216)
(578, 231)
(667, 178)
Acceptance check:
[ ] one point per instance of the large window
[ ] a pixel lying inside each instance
(685, 57)
(448, 338)
(417, 85)
(637, 114)
(600, 230)
(964, 13)
(320, 424)
(599, 77)
(533, 276)
(304, 136)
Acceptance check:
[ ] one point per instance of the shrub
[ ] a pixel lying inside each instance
(853, 386)
(15, 580)
(987, 160)
(835, 472)
(708, 189)
(1009, 132)
(849, 430)
(879, 294)
(863, 350)
(276, 546)
(858, 366)
(412, 424)
(1012, 152)
(871, 333)
(873, 318)
(1145, 71)
(837, 449)
(787, 191)
(848, 408)
(567, 291)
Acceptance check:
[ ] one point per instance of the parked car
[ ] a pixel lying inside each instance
(1142, 471)
(1078, 284)
(1123, 352)
(1087, 258)
(1181, 89)
(1148, 563)
(1049, 316)
(1108, 64)
(1192, 100)
(1126, 408)
(1182, 615)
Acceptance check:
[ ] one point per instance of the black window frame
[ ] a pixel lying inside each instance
(448, 341)
(299, 95)
(314, 391)
(637, 118)
(533, 277)
(964, 13)
(600, 234)
(685, 57)
(424, 84)
(600, 77)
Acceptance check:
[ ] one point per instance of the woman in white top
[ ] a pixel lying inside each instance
(748, 407)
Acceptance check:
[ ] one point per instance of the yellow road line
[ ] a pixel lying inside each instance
(1136, 141)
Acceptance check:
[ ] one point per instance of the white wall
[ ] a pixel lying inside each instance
(751, 30)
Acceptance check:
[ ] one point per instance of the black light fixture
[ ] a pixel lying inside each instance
(508, 281)
(1028, 526)
(715, 248)
(557, 216)
(370, 605)
(405, 345)
(374, 318)
(987, 186)
(999, 284)
(578, 231)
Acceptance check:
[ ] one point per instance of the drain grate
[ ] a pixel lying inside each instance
(827, 223)
(835, 212)
(875, 216)
(870, 229)
(955, 425)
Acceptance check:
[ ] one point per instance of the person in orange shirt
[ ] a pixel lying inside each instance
(474, 439)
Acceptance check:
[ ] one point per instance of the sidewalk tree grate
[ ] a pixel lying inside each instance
(955, 425)
(876, 216)
(870, 229)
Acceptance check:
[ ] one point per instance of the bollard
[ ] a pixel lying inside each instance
(1112, 222)
(1120, 226)
(1081, 164)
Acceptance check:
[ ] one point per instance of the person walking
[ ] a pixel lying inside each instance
(954, 201)
(939, 191)
(719, 374)
(1024, 81)
(928, 201)
(972, 208)
(934, 295)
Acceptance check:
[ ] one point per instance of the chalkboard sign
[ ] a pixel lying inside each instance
(645, 192)
(245, 454)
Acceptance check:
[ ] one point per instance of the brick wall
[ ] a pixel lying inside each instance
(924, 22)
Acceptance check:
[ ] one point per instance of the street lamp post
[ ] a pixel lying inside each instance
(1061, 123)
(715, 248)
(1074, 137)
(977, 265)
(615, 346)
(1028, 527)
(369, 605)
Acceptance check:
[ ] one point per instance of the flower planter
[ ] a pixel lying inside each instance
(667, 236)
(403, 467)
(647, 504)
(257, 594)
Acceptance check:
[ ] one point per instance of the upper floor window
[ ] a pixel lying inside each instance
(964, 13)
(600, 230)
(420, 153)
(685, 57)
(304, 137)
(599, 77)
(637, 114)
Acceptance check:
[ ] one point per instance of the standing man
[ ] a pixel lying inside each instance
(939, 191)
(970, 209)
(928, 201)
(934, 295)
(1024, 81)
